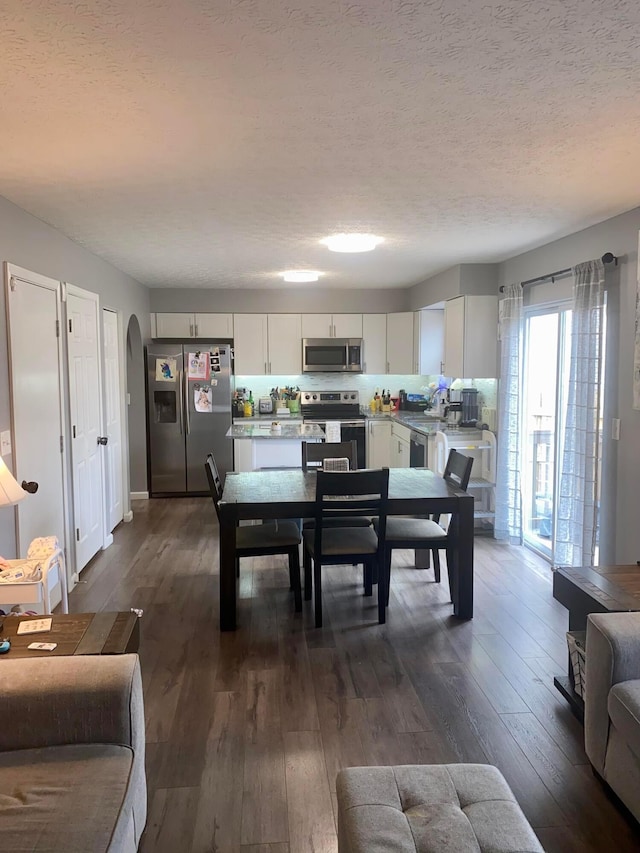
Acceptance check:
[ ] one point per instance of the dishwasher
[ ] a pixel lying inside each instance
(418, 455)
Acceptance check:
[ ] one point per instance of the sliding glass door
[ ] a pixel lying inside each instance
(546, 376)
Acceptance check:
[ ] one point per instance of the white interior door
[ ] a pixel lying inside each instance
(113, 419)
(85, 418)
(36, 370)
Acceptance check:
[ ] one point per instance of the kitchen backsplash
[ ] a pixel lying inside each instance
(365, 383)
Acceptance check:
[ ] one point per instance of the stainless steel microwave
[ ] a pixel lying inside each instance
(332, 355)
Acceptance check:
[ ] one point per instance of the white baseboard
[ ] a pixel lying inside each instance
(139, 496)
(128, 516)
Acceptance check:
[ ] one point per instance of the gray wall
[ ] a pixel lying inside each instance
(620, 236)
(30, 243)
(282, 300)
(473, 279)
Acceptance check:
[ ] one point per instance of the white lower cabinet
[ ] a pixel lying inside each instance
(379, 444)
(400, 446)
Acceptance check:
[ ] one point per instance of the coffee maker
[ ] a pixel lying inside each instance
(469, 407)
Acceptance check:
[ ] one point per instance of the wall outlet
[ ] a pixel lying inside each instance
(5, 443)
(615, 429)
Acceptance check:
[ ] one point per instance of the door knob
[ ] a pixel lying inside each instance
(103, 439)
(31, 487)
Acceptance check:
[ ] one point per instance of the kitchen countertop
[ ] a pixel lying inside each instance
(255, 429)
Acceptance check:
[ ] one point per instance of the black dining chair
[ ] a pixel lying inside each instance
(260, 540)
(343, 494)
(427, 533)
(316, 455)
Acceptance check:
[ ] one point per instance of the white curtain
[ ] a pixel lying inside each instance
(577, 500)
(508, 519)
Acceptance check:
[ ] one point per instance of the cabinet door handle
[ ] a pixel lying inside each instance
(196, 330)
(265, 368)
(269, 367)
(190, 330)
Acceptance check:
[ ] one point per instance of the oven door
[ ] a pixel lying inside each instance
(350, 430)
(356, 430)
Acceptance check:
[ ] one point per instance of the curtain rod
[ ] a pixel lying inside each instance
(607, 258)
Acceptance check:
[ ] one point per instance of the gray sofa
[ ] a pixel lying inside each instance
(612, 703)
(72, 773)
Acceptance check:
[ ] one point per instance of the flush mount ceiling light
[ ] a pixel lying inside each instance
(301, 275)
(352, 242)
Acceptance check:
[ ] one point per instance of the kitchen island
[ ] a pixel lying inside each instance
(257, 445)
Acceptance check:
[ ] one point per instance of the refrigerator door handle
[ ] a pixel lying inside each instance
(181, 396)
(186, 406)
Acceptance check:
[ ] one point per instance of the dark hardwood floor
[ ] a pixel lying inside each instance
(247, 730)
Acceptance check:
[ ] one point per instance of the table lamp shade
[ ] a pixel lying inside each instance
(10, 491)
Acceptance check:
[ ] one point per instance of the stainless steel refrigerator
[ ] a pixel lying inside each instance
(189, 413)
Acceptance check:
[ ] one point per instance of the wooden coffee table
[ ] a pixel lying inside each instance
(593, 589)
(106, 633)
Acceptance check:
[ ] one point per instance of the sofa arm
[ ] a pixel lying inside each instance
(612, 656)
(68, 700)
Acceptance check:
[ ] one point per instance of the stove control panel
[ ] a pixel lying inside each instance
(329, 398)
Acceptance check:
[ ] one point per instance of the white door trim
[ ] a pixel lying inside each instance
(123, 410)
(81, 293)
(14, 272)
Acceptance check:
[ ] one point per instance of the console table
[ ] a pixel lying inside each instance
(105, 633)
(592, 589)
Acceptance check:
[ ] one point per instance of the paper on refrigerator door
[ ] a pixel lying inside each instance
(202, 398)
(198, 365)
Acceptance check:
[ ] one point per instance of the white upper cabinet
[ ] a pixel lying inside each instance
(250, 344)
(214, 325)
(374, 342)
(172, 325)
(470, 337)
(430, 341)
(179, 325)
(317, 326)
(347, 325)
(285, 343)
(267, 343)
(332, 325)
(400, 345)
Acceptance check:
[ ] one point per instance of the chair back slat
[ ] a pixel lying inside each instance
(316, 452)
(458, 470)
(215, 485)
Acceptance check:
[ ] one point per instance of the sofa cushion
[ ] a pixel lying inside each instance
(452, 807)
(624, 710)
(65, 798)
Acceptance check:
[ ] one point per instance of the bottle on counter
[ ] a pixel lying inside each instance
(248, 406)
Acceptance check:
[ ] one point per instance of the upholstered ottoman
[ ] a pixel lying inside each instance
(429, 808)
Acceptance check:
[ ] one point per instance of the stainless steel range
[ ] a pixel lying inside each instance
(344, 406)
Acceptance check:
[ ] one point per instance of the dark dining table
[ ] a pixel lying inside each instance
(291, 494)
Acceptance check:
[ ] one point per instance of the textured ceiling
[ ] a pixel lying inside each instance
(214, 142)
